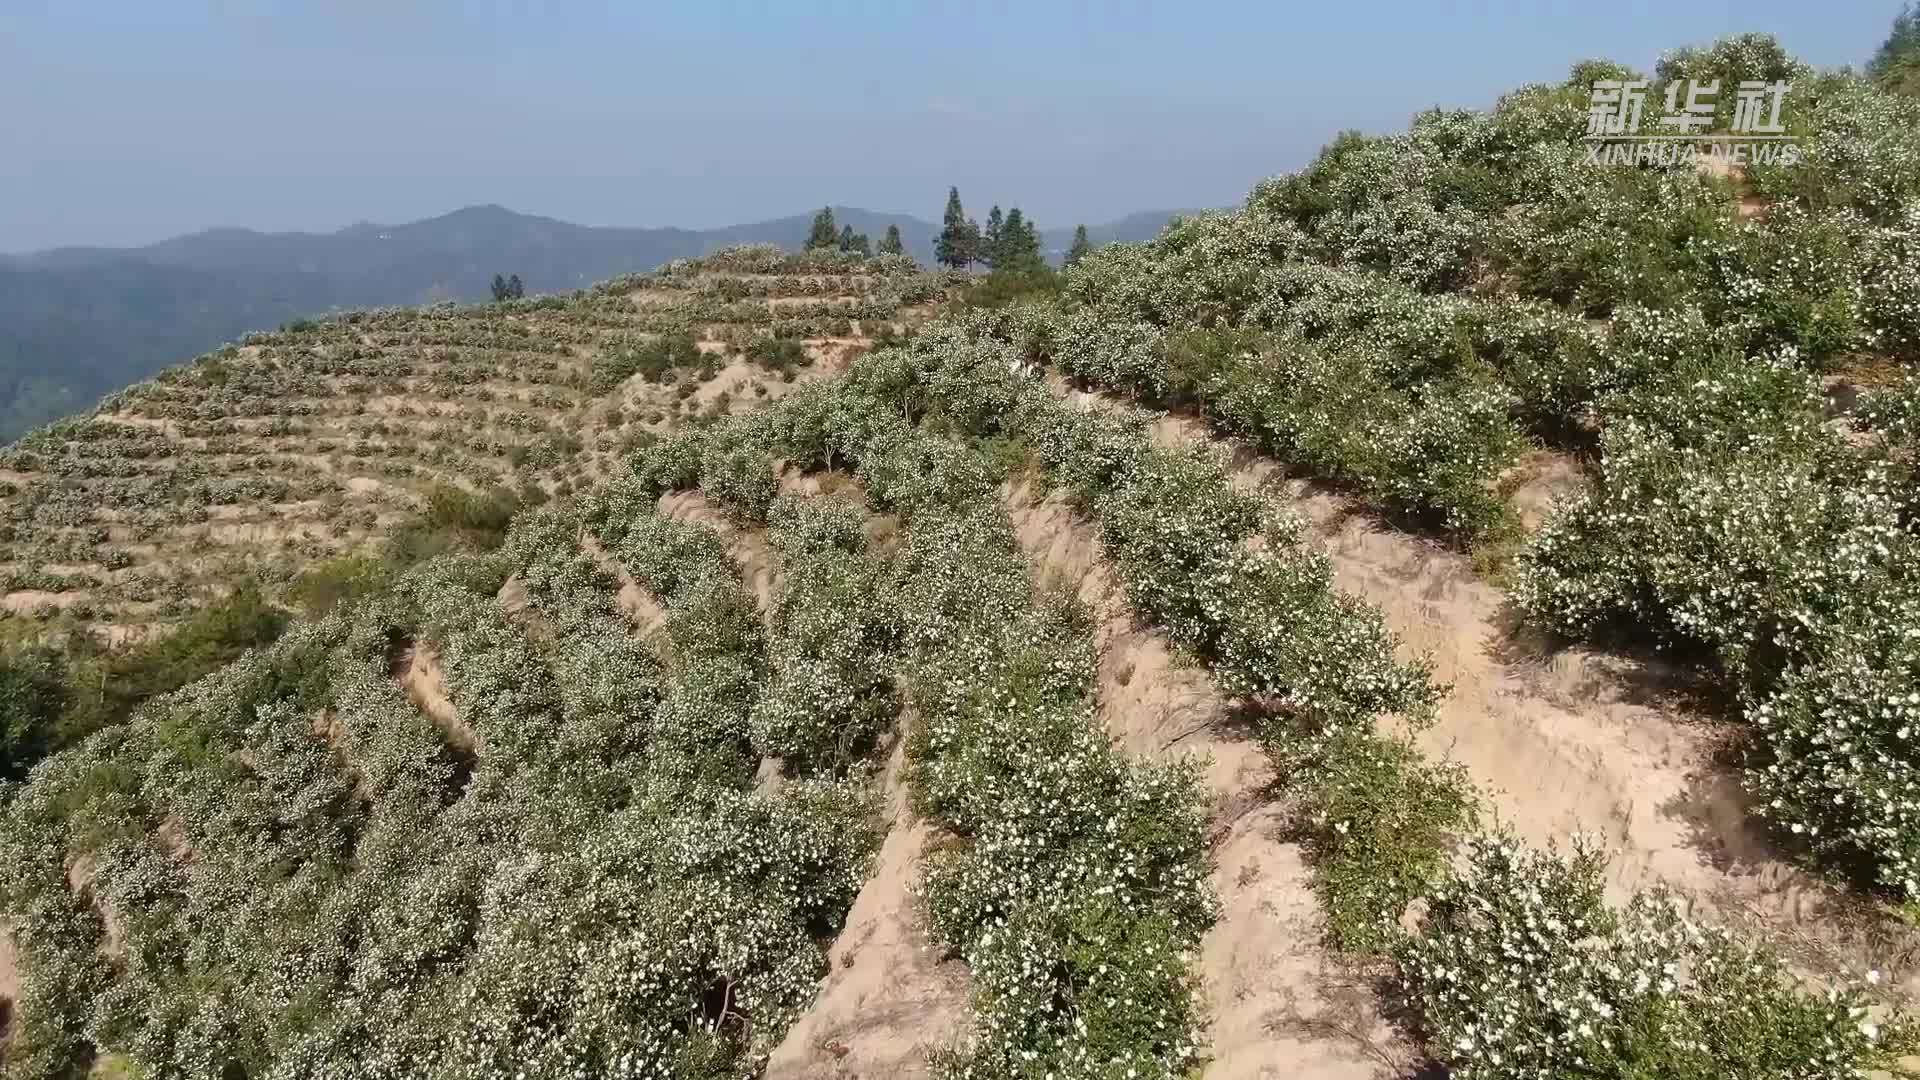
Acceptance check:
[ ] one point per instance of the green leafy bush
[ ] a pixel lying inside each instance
(782, 356)
(1524, 972)
(1380, 823)
(33, 695)
(655, 360)
(830, 695)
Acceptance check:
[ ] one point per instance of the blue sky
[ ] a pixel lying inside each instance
(127, 122)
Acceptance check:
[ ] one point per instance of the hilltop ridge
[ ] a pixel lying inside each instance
(79, 323)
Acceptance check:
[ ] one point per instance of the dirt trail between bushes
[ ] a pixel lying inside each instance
(1278, 1004)
(638, 605)
(759, 564)
(9, 983)
(1565, 740)
(889, 998)
(416, 667)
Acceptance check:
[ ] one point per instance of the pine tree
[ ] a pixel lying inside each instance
(499, 288)
(890, 244)
(846, 238)
(823, 234)
(1080, 246)
(993, 250)
(862, 245)
(1019, 247)
(959, 241)
(515, 290)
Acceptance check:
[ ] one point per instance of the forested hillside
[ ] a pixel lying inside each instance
(1457, 612)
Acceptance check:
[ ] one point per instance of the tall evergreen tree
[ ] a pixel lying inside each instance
(959, 241)
(855, 242)
(1080, 246)
(1019, 247)
(993, 240)
(499, 288)
(515, 290)
(890, 244)
(823, 234)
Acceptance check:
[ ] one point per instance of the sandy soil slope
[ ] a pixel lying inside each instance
(1279, 1004)
(9, 983)
(889, 997)
(1567, 739)
(418, 670)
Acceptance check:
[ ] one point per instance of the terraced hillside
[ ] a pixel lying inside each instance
(607, 800)
(1453, 614)
(294, 447)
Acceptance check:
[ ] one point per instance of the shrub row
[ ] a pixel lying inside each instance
(1520, 969)
(1075, 884)
(285, 870)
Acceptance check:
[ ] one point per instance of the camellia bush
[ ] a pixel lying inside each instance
(1524, 972)
(1733, 528)
(288, 869)
(1075, 884)
(836, 629)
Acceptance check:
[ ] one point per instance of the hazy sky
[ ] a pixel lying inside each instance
(127, 122)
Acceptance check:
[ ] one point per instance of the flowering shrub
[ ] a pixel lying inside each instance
(1893, 412)
(1792, 280)
(1524, 973)
(1835, 760)
(1891, 283)
(1179, 532)
(1379, 823)
(1729, 523)
(830, 693)
(1331, 410)
(1860, 150)
(1598, 238)
(1080, 885)
(1719, 558)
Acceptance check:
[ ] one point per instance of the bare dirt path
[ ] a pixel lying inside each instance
(889, 997)
(416, 667)
(638, 605)
(9, 984)
(1279, 1004)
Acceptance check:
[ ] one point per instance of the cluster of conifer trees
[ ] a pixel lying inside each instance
(1010, 240)
(824, 234)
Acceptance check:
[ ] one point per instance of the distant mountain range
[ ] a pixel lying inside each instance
(79, 323)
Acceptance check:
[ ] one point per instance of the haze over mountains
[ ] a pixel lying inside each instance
(79, 323)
